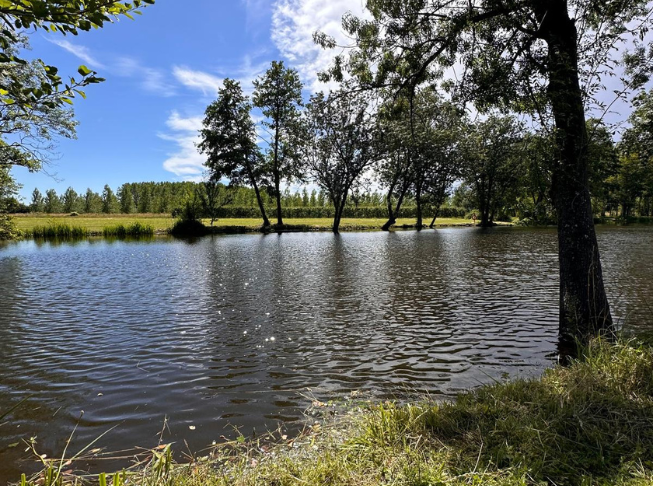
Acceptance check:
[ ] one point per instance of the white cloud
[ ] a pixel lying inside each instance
(190, 124)
(154, 81)
(150, 79)
(207, 83)
(295, 21)
(186, 162)
(81, 52)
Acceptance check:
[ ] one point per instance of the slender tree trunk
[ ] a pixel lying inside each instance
(435, 216)
(392, 214)
(277, 190)
(584, 309)
(340, 209)
(266, 221)
(277, 176)
(418, 202)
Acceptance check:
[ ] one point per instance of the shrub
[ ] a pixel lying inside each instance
(134, 229)
(8, 230)
(58, 230)
(188, 227)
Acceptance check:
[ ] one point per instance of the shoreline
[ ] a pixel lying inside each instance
(588, 423)
(93, 226)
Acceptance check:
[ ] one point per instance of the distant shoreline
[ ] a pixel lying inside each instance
(95, 224)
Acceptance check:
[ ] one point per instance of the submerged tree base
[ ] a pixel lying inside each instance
(587, 424)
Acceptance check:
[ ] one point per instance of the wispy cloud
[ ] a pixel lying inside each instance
(150, 79)
(257, 11)
(186, 162)
(207, 83)
(293, 25)
(81, 52)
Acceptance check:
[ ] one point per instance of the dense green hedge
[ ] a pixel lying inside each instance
(328, 212)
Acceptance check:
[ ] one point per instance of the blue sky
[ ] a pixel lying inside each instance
(162, 70)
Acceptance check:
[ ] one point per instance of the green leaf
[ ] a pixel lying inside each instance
(83, 70)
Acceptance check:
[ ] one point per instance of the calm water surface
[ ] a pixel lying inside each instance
(231, 332)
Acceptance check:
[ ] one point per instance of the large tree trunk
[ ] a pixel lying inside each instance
(584, 309)
(338, 216)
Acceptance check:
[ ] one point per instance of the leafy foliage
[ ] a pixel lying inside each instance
(339, 145)
(65, 17)
(278, 93)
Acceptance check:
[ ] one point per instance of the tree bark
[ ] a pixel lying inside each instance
(277, 176)
(584, 308)
(277, 191)
(418, 202)
(250, 173)
(392, 214)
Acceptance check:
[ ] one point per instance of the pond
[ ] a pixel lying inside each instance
(238, 332)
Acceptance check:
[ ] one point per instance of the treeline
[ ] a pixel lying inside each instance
(173, 197)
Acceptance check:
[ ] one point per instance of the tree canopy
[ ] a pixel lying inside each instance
(65, 17)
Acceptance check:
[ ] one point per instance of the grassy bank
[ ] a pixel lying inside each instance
(93, 223)
(96, 224)
(589, 424)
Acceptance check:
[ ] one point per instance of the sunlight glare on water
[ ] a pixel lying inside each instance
(231, 331)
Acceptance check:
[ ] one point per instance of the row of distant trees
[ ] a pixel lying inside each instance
(170, 197)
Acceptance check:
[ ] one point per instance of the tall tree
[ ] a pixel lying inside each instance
(52, 203)
(339, 145)
(397, 152)
(603, 164)
(69, 200)
(37, 204)
(109, 200)
(229, 141)
(535, 185)
(92, 202)
(126, 199)
(278, 93)
(435, 130)
(491, 159)
(531, 55)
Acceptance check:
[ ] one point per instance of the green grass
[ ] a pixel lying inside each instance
(588, 424)
(94, 223)
(97, 223)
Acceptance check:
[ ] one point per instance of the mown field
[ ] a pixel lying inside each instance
(97, 222)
